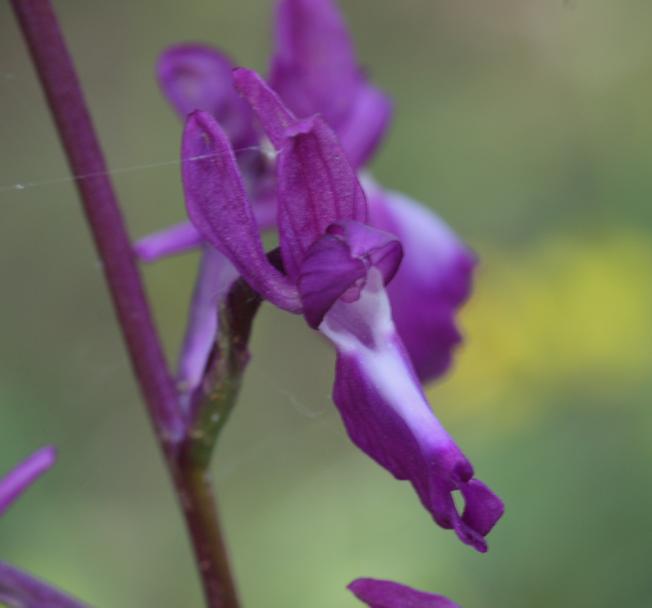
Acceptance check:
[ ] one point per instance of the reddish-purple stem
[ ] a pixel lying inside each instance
(66, 101)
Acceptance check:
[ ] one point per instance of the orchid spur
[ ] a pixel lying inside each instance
(335, 268)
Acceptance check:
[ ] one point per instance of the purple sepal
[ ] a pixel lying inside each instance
(274, 116)
(378, 593)
(434, 280)
(366, 124)
(314, 70)
(336, 266)
(24, 475)
(220, 210)
(22, 590)
(176, 239)
(316, 184)
(215, 277)
(482, 508)
(198, 77)
(388, 417)
(316, 187)
(183, 237)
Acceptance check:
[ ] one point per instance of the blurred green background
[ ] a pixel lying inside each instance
(528, 126)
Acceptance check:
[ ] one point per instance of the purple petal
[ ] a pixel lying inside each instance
(25, 591)
(434, 279)
(24, 475)
(388, 594)
(170, 241)
(366, 124)
(184, 237)
(314, 67)
(337, 265)
(198, 77)
(387, 416)
(316, 188)
(274, 117)
(219, 209)
(482, 507)
(315, 70)
(215, 277)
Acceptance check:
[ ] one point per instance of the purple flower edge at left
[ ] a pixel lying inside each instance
(24, 475)
(18, 588)
(22, 590)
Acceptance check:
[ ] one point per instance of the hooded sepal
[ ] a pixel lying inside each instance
(336, 266)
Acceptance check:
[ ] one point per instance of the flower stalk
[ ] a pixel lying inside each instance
(65, 99)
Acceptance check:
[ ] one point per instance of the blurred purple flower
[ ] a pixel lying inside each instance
(336, 267)
(387, 594)
(18, 588)
(21, 590)
(314, 70)
(24, 475)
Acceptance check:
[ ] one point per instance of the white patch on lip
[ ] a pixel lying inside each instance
(364, 330)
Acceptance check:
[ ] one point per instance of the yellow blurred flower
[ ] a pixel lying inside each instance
(570, 311)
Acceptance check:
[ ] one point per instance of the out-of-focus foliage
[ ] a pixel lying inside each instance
(527, 125)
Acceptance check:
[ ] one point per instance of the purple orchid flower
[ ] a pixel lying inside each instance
(314, 69)
(336, 267)
(24, 475)
(388, 594)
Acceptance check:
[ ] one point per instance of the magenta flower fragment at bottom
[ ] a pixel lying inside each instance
(388, 594)
(24, 475)
(336, 266)
(388, 417)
